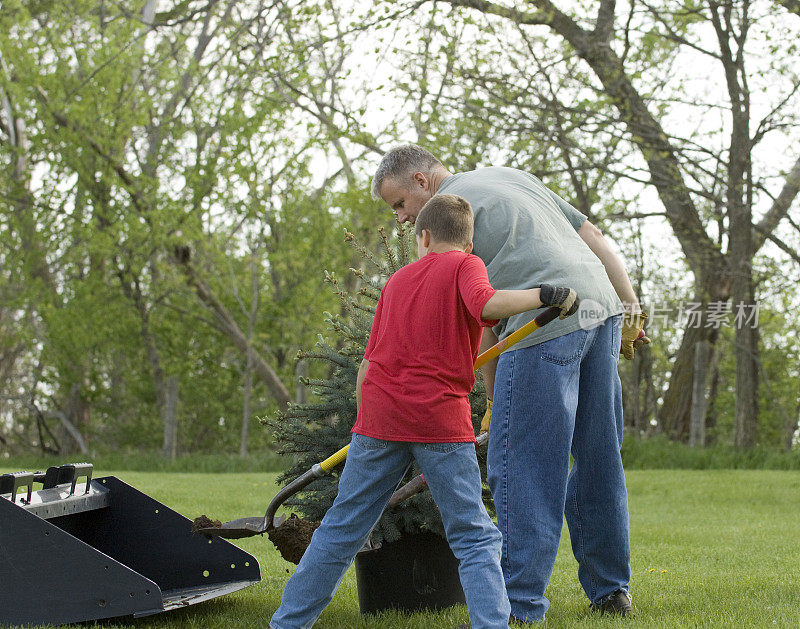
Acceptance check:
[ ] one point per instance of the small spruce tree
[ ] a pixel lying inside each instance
(313, 431)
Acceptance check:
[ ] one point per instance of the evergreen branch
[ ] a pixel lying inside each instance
(404, 241)
(388, 253)
(370, 293)
(364, 307)
(367, 255)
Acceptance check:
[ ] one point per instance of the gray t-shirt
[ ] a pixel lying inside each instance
(527, 235)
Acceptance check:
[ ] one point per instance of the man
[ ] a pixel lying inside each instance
(558, 392)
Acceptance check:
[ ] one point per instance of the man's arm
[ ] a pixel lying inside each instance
(489, 339)
(362, 371)
(634, 319)
(615, 269)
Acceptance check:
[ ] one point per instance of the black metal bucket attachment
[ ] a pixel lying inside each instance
(77, 551)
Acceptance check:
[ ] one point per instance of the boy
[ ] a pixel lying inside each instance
(412, 393)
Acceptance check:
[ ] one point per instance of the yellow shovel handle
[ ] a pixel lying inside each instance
(334, 459)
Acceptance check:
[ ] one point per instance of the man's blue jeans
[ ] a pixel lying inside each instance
(551, 400)
(373, 469)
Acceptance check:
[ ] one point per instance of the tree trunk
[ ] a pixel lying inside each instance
(74, 421)
(630, 395)
(697, 427)
(133, 291)
(248, 388)
(648, 399)
(791, 428)
(637, 394)
(711, 412)
(74, 434)
(170, 418)
(739, 201)
(675, 412)
(746, 332)
(746, 422)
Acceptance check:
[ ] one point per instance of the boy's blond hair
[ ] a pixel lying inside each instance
(448, 218)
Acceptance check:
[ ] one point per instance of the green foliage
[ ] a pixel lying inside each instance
(779, 391)
(658, 452)
(145, 141)
(246, 137)
(153, 461)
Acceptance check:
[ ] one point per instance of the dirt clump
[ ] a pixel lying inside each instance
(204, 522)
(292, 537)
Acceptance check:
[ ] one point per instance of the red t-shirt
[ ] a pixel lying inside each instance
(422, 351)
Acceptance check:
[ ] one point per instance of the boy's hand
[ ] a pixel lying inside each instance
(561, 297)
(486, 422)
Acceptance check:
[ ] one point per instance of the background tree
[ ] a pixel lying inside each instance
(147, 147)
(157, 143)
(709, 180)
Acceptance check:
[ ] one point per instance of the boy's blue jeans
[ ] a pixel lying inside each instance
(373, 469)
(551, 400)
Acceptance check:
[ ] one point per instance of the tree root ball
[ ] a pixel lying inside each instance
(292, 537)
(204, 522)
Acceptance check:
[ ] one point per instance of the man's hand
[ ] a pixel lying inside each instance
(486, 422)
(561, 297)
(633, 336)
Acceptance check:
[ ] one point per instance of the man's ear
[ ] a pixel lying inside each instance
(421, 180)
(468, 249)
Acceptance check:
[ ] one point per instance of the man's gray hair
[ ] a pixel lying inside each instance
(402, 161)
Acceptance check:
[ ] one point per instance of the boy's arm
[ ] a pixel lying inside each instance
(505, 303)
(362, 371)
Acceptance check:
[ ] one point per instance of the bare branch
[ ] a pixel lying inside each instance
(604, 23)
(794, 255)
(780, 207)
(790, 5)
(232, 330)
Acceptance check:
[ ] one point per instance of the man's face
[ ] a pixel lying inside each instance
(407, 200)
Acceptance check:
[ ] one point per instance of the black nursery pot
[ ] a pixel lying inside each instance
(417, 572)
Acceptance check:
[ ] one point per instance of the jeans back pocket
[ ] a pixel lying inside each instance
(369, 443)
(565, 349)
(443, 448)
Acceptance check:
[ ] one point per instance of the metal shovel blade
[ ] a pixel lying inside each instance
(258, 525)
(237, 529)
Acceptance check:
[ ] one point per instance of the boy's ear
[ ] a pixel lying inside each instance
(426, 238)
(468, 249)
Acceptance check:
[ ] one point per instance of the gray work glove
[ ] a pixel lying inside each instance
(561, 297)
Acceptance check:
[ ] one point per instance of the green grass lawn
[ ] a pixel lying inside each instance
(717, 548)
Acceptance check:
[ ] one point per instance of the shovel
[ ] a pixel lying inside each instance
(258, 525)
